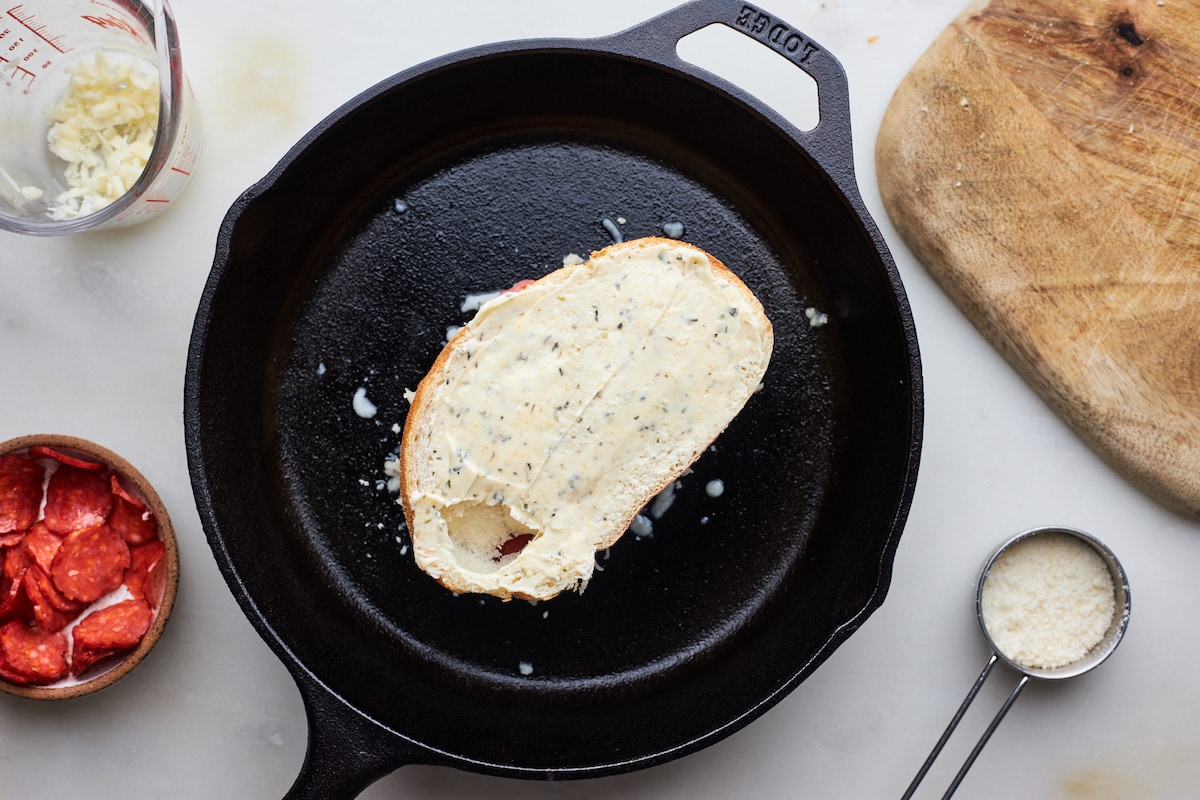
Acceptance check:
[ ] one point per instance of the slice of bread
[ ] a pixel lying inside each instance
(560, 410)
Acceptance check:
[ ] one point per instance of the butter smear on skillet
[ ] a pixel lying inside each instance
(552, 417)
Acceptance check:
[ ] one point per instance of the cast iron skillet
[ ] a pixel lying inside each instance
(343, 268)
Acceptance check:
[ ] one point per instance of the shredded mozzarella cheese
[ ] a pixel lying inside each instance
(103, 127)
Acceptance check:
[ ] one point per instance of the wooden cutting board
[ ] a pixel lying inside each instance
(1042, 160)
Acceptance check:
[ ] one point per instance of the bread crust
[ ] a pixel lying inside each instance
(422, 411)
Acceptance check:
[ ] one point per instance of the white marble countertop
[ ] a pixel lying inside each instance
(93, 340)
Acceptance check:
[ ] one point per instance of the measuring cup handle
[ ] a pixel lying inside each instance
(987, 734)
(958, 715)
(829, 143)
(962, 772)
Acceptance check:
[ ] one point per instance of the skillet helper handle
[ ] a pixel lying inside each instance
(829, 143)
(347, 752)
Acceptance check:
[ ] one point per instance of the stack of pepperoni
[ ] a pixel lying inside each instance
(82, 566)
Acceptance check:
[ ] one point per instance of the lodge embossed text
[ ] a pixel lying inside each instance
(778, 35)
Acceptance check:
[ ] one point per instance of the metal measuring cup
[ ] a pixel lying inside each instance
(1090, 660)
(40, 41)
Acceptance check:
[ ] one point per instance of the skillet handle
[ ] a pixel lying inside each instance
(347, 752)
(829, 143)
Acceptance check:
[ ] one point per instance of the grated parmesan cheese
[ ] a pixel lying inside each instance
(1048, 600)
(103, 127)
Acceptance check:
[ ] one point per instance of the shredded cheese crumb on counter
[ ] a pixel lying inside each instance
(103, 127)
(1048, 600)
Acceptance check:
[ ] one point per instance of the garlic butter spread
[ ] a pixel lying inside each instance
(561, 409)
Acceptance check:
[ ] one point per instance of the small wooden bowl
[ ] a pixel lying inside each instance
(115, 668)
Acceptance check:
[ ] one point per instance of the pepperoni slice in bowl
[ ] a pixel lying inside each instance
(14, 600)
(42, 544)
(30, 654)
(115, 627)
(130, 517)
(147, 575)
(76, 499)
(20, 492)
(45, 451)
(88, 567)
(46, 614)
(90, 563)
(109, 631)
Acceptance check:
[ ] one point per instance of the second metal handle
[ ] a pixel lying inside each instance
(983, 740)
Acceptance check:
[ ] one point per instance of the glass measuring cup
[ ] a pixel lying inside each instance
(41, 41)
(1096, 655)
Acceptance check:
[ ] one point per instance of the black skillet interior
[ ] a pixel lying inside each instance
(343, 271)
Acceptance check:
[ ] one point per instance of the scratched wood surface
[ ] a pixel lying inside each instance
(1042, 160)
